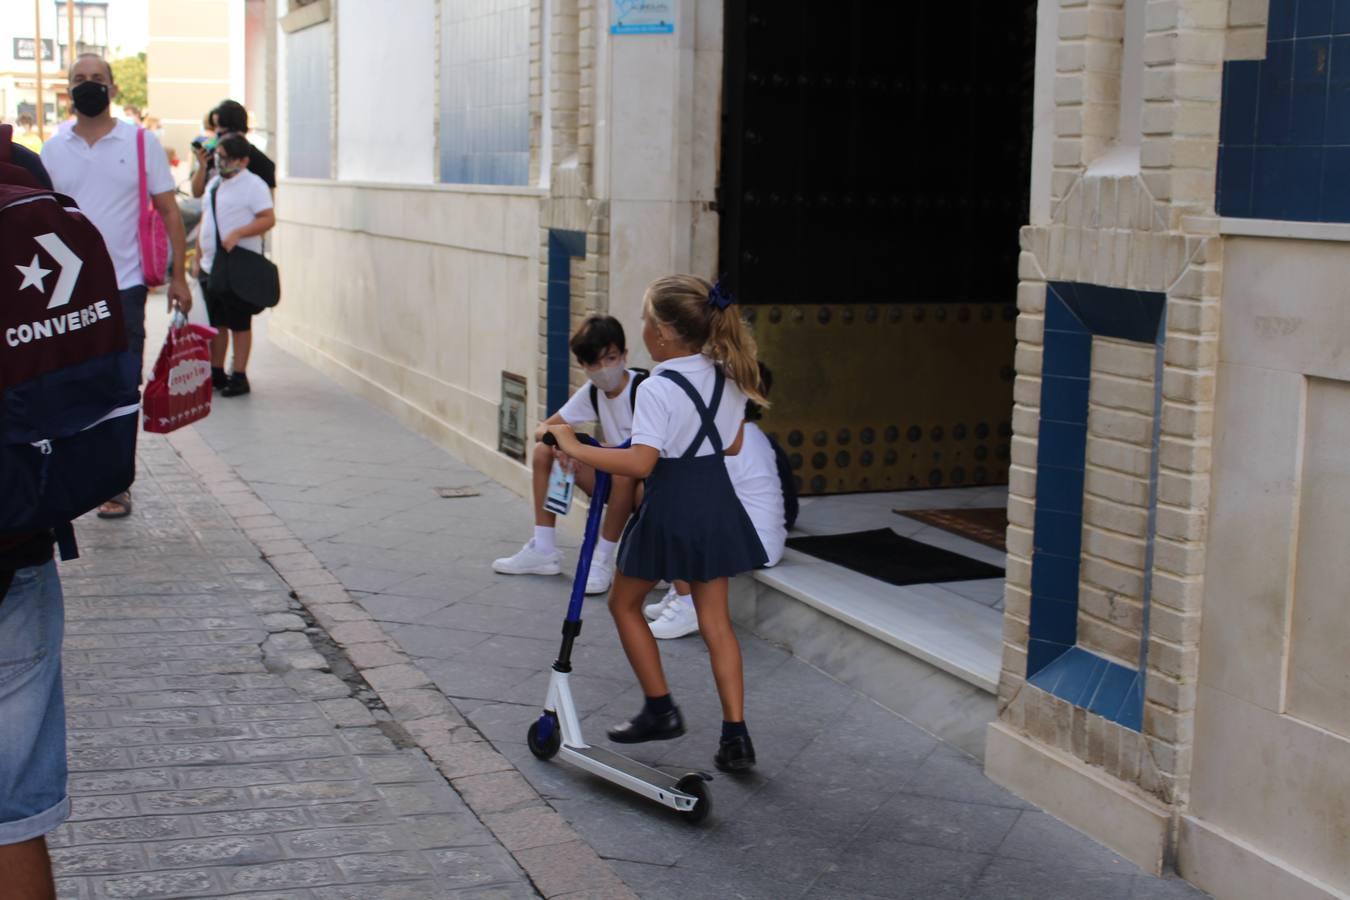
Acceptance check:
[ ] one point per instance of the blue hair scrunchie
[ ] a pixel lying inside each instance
(720, 297)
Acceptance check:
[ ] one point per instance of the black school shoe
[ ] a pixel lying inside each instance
(219, 379)
(735, 754)
(648, 727)
(237, 386)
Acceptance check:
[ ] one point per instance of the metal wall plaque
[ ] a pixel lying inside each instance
(513, 416)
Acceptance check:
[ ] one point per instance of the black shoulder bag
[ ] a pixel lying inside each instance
(250, 276)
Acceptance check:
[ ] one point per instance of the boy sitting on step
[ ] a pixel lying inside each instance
(608, 397)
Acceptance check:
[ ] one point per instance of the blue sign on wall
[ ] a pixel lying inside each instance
(643, 17)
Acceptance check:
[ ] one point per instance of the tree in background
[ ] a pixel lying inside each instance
(129, 73)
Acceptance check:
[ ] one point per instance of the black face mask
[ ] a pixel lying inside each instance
(90, 98)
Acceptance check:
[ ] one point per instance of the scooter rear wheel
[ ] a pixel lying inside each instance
(546, 748)
(694, 785)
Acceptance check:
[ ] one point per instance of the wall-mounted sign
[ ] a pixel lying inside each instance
(512, 417)
(643, 17)
(24, 48)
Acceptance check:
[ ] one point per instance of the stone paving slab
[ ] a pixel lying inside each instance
(201, 766)
(849, 800)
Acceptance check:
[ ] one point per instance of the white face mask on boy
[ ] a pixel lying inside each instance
(609, 378)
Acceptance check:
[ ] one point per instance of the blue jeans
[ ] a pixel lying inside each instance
(33, 797)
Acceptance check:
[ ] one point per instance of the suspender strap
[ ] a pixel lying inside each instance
(706, 412)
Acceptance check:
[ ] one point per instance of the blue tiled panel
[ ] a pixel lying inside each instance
(485, 83)
(562, 247)
(1286, 117)
(1106, 688)
(1074, 314)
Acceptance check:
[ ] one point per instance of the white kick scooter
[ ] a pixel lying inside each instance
(558, 730)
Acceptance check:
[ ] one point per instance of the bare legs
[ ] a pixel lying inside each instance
(714, 620)
(625, 605)
(243, 345)
(724, 651)
(617, 511)
(220, 345)
(26, 871)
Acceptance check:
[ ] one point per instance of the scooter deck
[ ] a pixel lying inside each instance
(633, 775)
(630, 767)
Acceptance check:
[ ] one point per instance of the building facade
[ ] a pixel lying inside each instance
(1155, 363)
(200, 53)
(19, 56)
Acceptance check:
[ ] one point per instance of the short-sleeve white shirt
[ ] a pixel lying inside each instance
(754, 476)
(238, 202)
(666, 418)
(616, 413)
(104, 181)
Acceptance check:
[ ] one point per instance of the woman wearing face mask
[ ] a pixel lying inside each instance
(238, 208)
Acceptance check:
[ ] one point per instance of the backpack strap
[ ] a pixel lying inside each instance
(639, 376)
(788, 481)
(140, 170)
(65, 542)
(707, 413)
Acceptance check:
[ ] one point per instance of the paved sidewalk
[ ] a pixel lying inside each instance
(849, 800)
(210, 756)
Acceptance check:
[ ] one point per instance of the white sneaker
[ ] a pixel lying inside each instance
(653, 610)
(600, 577)
(529, 561)
(676, 621)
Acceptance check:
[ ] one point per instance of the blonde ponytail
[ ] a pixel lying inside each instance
(731, 344)
(680, 302)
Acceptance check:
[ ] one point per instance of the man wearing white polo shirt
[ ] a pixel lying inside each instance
(95, 162)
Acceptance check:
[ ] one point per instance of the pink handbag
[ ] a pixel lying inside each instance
(154, 237)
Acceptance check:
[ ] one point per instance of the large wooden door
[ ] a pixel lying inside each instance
(875, 173)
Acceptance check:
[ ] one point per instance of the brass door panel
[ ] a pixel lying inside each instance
(871, 397)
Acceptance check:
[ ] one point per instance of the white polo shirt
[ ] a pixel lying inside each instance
(104, 182)
(667, 419)
(754, 475)
(238, 201)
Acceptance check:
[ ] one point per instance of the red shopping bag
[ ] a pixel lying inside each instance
(179, 392)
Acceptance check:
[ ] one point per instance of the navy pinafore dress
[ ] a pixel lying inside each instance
(691, 525)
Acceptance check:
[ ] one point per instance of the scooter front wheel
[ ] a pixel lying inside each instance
(694, 785)
(544, 737)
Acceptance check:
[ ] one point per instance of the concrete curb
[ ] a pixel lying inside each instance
(553, 855)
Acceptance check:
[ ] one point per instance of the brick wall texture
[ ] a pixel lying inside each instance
(1156, 231)
(571, 34)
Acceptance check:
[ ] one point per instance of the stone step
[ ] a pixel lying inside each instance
(923, 651)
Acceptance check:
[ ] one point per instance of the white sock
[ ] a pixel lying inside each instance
(605, 550)
(685, 600)
(543, 539)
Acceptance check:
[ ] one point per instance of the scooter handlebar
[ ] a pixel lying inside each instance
(549, 440)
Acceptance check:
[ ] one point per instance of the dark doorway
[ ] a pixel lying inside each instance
(875, 173)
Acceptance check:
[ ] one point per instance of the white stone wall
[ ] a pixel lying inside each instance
(416, 295)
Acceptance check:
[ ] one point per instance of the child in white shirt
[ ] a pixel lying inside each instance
(608, 397)
(763, 485)
(690, 525)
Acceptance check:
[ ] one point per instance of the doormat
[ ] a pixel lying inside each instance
(987, 525)
(886, 556)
